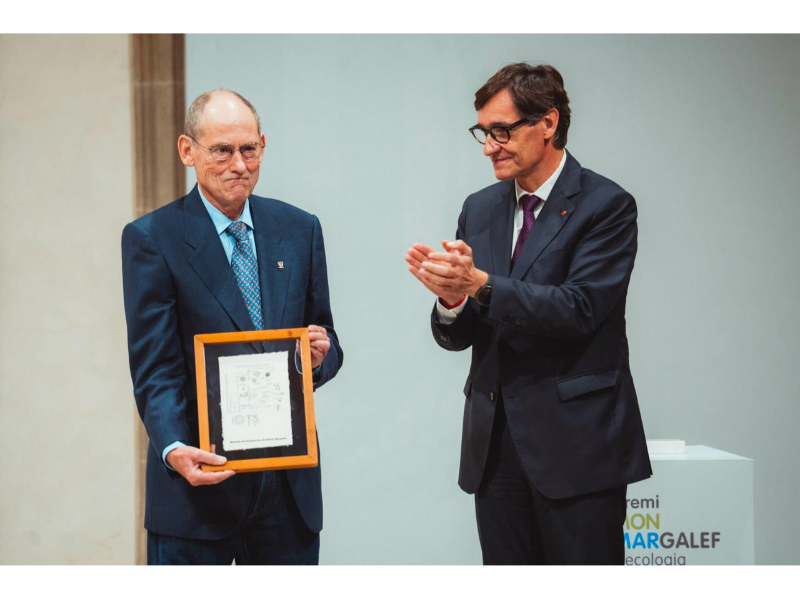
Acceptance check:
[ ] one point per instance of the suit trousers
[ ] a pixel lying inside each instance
(273, 533)
(517, 525)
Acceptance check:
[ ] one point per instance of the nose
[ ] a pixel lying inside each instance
(491, 146)
(237, 162)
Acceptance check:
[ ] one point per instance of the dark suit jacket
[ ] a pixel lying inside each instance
(552, 340)
(178, 283)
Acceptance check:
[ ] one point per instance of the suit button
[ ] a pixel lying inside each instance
(491, 397)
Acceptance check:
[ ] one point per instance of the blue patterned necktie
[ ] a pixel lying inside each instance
(245, 269)
(528, 203)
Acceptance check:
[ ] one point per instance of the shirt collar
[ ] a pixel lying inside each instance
(221, 222)
(544, 190)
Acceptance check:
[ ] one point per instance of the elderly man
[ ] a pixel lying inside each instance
(535, 283)
(206, 263)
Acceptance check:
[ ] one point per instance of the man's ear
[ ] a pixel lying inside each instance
(263, 143)
(550, 122)
(185, 150)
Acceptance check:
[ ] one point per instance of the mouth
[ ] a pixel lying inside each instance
(499, 161)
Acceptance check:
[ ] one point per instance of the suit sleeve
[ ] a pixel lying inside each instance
(597, 278)
(154, 351)
(318, 307)
(458, 334)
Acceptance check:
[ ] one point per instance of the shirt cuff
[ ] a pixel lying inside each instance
(445, 315)
(169, 449)
(299, 370)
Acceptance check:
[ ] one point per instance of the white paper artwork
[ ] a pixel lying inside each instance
(254, 392)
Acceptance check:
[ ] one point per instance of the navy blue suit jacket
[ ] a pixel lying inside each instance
(552, 340)
(178, 283)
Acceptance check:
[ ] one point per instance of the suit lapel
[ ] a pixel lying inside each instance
(502, 224)
(553, 216)
(274, 259)
(207, 258)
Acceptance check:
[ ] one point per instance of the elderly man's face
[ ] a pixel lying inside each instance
(226, 120)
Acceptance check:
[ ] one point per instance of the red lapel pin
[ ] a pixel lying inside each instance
(563, 212)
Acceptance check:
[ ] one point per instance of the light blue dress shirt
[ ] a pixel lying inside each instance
(221, 224)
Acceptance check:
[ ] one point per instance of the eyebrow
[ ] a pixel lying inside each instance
(494, 124)
(236, 145)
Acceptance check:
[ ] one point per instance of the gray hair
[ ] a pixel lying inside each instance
(194, 116)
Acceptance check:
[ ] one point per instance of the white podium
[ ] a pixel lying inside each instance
(696, 509)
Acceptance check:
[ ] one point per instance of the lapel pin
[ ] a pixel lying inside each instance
(563, 212)
(280, 265)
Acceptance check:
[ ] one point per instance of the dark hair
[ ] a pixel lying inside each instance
(534, 90)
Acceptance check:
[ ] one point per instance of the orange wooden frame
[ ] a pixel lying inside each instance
(258, 464)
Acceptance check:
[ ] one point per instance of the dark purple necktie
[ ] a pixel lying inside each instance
(528, 203)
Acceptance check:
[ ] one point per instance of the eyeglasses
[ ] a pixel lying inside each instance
(500, 134)
(224, 152)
